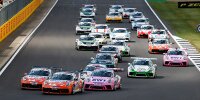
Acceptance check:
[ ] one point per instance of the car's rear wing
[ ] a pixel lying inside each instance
(143, 58)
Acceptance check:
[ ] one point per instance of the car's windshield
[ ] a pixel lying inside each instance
(101, 27)
(108, 49)
(159, 42)
(114, 14)
(140, 20)
(102, 73)
(137, 15)
(175, 52)
(86, 20)
(147, 27)
(140, 62)
(87, 38)
(62, 77)
(116, 7)
(118, 43)
(85, 24)
(39, 73)
(159, 32)
(88, 6)
(98, 36)
(129, 10)
(103, 57)
(89, 68)
(87, 10)
(119, 31)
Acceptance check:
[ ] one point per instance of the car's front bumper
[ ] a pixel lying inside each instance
(140, 74)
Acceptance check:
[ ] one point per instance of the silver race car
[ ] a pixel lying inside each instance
(83, 28)
(87, 42)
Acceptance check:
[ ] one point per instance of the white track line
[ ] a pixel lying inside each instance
(25, 41)
(169, 32)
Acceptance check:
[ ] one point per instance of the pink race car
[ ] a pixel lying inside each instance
(175, 57)
(144, 30)
(103, 79)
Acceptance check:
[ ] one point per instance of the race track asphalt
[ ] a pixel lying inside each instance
(53, 44)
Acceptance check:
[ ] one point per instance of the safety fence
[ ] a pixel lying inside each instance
(20, 17)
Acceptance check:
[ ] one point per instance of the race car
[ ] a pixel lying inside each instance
(159, 46)
(87, 20)
(87, 71)
(35, 78)
(83, 28)
(63, 83)
(87, 12)
(90, 6)
(158, 34)
(100, 38)
(120, 34)
(102, 28)
(113, 50)
(144, 30)
(122, 46)
(175, 57)
(103, 79)
(86, 42)
(107, 59)
(138, 22)
(116, 8)
(142, 67)
(135, 15)
(114, 16)
(128, 11)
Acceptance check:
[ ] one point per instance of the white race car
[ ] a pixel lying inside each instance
(122, 46)
(102, 28)
(100, 37)
(87, 20)
(87, 12)
(87, 42)
(158, 34)
(138, 22)
(91, 6)
(128, 11)
(84, 28)
(136, 15)
(120, 34)
(116, 8)
(142, 67)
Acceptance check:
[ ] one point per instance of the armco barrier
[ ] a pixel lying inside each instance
(13, 23)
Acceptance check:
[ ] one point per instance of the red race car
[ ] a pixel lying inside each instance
(63, 83)
(35, 78)
(159, 46)
(144, 30)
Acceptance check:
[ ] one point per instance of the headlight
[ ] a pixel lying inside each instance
(68, 84)
(88, 79)
(24, 78)
(185, 58)
(46, 83)
(109, 81)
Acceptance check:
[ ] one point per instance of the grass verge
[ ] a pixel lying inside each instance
(183, 21)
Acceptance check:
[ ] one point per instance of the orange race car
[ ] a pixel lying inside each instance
(63, 83)
(35, 78)
(159, 46)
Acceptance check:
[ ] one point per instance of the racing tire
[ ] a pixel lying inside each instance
(82, 89)
(73, 92)
(114, 88)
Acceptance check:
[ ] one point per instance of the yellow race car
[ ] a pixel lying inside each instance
(114, 16)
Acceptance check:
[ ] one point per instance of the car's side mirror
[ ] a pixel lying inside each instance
(129, 64)
(92, 58)
(75, 79)
(25, 74)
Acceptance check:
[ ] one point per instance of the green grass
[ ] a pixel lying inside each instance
(183, 21)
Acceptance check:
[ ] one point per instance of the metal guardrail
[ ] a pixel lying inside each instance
(10, 10)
